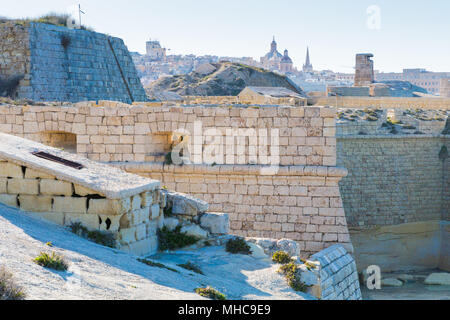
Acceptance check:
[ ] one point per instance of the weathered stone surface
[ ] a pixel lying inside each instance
(391, 282)
(216, 223)
(69, 204)
(34, 174)
(257, 251)
(442, 279)
(56, 187)
(35, 203)
(194, 230)
(11, 170)
(109, 207)
(171, 223)
(9, 199)
(288, 246)
(183, 204)
(23, 186)
(338, 274)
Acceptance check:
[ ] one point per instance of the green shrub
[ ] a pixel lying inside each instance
(290, 272)
(103, 238)
(210, 293)
(192, 267)
(8, 86)
(9, 290)
(51, 261)
(156, 264)
(174, 239)
(281, 257)
(237, 245)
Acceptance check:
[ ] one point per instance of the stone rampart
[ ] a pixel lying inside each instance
(62, 64)
(300, 200)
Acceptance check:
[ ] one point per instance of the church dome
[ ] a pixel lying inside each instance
(286, 58)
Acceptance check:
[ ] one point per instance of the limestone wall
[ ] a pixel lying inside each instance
(383, 102)
(300, 201)
(15, 57)
(392, 179)
(338, 274)
(396, 196)
(64, 64)
(132, 220)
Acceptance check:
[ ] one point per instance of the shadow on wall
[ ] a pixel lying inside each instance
(62, 140)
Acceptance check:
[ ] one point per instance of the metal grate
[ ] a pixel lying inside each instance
(48, 156)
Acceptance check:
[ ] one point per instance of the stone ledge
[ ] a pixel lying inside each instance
(315, 171)
(106, 180)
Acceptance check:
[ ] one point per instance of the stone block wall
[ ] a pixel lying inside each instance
(393, 179)
(300, 201)
(396, 198)
(91, 66)
(338, 274)
(383, 102)
(132, 220)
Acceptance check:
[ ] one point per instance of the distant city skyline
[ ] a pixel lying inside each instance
(401, 34)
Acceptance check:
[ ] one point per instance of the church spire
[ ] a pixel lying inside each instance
(307, 67)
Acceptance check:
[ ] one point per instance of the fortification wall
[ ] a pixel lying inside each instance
(62, 64)
(299, 200)
(396, 196)
(382, 102)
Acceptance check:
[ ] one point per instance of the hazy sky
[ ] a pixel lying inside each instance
(405, 33)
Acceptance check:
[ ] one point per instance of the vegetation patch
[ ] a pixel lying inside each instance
(192, 267)
(290, 272)
(156, 264)
(9, 85)
(174, 239)
(210, 293)
(9, 290)
(238, 245)
(51, 261)
(103, 238)
(281, 257)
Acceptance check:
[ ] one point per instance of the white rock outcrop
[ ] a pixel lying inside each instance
(442, 279)
(216, 223)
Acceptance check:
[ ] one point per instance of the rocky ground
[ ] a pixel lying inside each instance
(223, 79)
(423, 285)
(379, 121)
(97, 272)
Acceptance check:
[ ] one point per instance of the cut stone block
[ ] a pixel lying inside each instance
(33, 174)
(216, 223)
(82, 191)
(89, 221)
(35, 203)
(109, 207)
(143, 247)
(23, 186)
(11, 170)
(154, 211)
(146, 199)
(69, 204)
(54, 217)
(3, 183)
(9, 200)
(194, 230)
(128, 235)
(56, 188)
